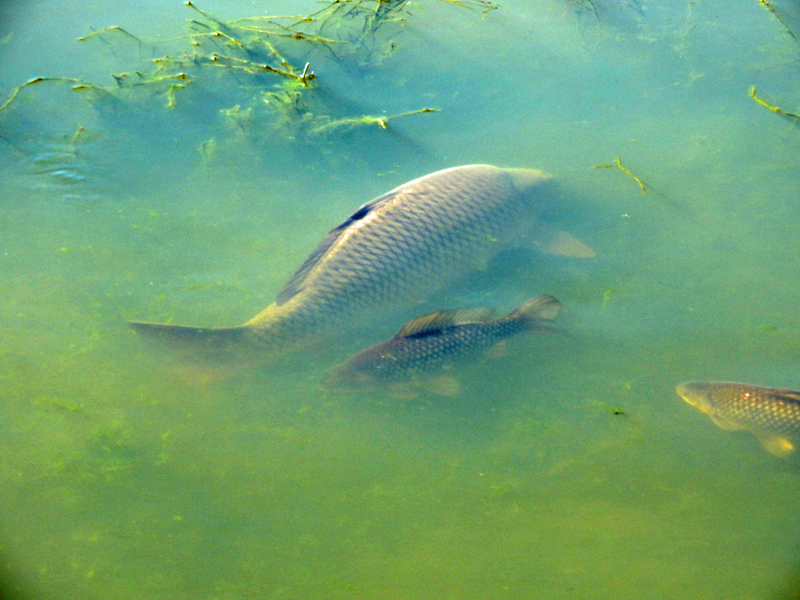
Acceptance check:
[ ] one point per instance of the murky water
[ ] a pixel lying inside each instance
(567, 469)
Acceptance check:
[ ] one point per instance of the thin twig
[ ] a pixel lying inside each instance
(618, 165)
(774, 109)
(110, 28)
(771, 8)
(33, 81)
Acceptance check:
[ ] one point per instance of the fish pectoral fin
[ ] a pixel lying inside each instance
(550, 240)
(725, 424)
(497, 351)
(443, 385)
(775, 444)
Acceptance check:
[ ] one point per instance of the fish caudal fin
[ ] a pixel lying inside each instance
(221, 339)
(541, 308)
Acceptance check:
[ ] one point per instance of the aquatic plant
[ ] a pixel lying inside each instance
(770, 107)
(774, 12)
(618, 165)
(269, 59)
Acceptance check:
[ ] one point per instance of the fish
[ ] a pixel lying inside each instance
(425, 347)
(771, 414)
(411, 241)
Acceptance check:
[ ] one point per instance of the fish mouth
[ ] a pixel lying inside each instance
(345, 381)
(695, 393)
(683, 392)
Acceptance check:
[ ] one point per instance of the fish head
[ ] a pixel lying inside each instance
(698, 394)
(528, 180)
(535, 187)
(353, 376)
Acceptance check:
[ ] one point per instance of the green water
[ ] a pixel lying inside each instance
(567, 469)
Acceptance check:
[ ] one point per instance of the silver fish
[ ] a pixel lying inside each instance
(427, 345)
(416, 238)
(771, 414)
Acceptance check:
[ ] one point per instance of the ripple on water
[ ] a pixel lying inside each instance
(64, 172)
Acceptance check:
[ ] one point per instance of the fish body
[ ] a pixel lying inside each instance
(771, 414)
(416, 238)
(427, 345)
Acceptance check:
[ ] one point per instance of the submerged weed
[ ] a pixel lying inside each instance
(270, 60)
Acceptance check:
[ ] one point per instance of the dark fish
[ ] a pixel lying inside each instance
(419, 237)
(771, 414)
(426, 346)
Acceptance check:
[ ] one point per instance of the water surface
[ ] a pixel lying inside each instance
(569, 468)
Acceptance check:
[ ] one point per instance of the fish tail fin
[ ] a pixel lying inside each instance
(217, 339)
(535, 310)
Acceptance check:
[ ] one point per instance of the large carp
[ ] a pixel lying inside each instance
(416, 238)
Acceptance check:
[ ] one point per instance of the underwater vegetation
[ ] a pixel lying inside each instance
(274, 61)
(270, 77)
(787, 30)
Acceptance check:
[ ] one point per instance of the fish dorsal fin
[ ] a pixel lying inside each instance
(434, 323)
(295, 284)
(790, 396)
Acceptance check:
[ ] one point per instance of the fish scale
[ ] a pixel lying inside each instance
(418, 356)
(771, 414)
(431, 228)
(417, 238)
(761, 408)
(431, 342)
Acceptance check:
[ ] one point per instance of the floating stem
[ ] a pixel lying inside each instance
(618, 165)
(254, 68)
(116, 28)
(774, 109)
(219, 34)
(350, 122)
(382, 121)
(205, 14)
(181, 76)
(35, 80)
(284, 31)
(306, 75)
(771, 8)
(171, 93)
